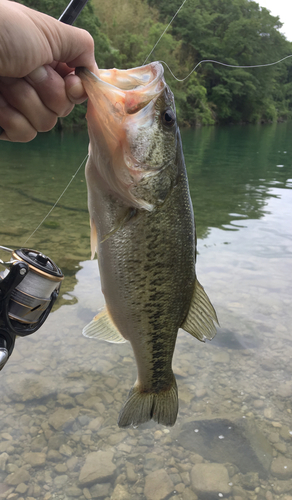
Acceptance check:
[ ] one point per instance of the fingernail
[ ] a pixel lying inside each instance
(38, 74)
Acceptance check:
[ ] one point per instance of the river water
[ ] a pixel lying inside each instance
(61, 393)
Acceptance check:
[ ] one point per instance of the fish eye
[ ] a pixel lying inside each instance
(168, 117)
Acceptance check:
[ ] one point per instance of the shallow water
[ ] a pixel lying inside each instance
(61, 393)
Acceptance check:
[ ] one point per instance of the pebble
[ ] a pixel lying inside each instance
(71, 463)
(38, 443)
(73, 491)
(131, 474)
(35, 459)
(54, 456)
(95, 424)
(280, 487)
(286, 433)
(269, 413)
(66, 450)
(221, 357)
(120, 493)
(285, 390)
(116, 438)
(211, 479)
(63, 418)
(274, 437)
(61, 468)
(99, 490)
(158, 485)
(200, 393)
(281, 447)
(3, 460)
(282, 467)
(59, 481)
(20, 476)
(258, 403)
(98, 467)
(21, 488)
(188, 494)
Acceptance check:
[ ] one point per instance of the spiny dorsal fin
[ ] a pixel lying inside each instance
(201, 316)
(103, 328)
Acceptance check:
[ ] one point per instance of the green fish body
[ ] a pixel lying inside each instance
(142, 228)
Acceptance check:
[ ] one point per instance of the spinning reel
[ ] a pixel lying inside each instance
(29, 287)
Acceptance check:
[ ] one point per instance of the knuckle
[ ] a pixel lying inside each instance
(67, 111)
(18, 129)
(47, 123)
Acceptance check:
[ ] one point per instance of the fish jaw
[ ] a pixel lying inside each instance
(120, 103)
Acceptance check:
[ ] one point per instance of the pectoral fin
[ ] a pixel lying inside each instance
(201, 316)
(103, 328)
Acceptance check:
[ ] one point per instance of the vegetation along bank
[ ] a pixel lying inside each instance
(237, 32)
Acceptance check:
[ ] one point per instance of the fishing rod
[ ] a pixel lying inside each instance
(72, 11)
(30, 281)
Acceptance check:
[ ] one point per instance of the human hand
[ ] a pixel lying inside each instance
(37, 57)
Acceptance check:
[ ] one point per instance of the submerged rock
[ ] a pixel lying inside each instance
(98, 468)
(63, 418)
(282, 468)
(210, 479)
(17, 477)
(35, 459)
(158, 485)
(221, 440)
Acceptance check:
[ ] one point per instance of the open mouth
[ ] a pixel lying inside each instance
(131, 88)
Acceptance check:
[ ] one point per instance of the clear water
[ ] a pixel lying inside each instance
(61, 393)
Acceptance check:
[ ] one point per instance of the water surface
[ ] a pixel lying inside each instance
(61, 393)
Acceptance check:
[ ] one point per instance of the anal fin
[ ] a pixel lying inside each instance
(93, 239)
(201, 316)
(103, 328)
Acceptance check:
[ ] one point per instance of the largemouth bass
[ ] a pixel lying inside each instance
(143, 230)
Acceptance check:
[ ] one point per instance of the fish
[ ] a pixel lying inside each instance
(143, 232)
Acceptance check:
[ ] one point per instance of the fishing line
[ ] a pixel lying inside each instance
(205, 60)
(223, 64)
(165, 30)
(64, 191)
(71, 13)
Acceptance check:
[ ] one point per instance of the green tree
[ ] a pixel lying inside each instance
(236, 32)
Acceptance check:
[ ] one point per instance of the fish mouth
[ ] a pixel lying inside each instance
(121, 111)
(128, 90)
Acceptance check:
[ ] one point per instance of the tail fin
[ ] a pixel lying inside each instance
(143, 406)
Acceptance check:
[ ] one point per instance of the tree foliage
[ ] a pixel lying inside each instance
(236, 32)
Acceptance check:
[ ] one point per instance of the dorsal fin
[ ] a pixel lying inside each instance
(103, 328)
(201, 316)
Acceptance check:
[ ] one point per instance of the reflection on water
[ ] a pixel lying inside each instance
(61, 393)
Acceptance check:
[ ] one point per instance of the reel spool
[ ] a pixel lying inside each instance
(29, 286)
